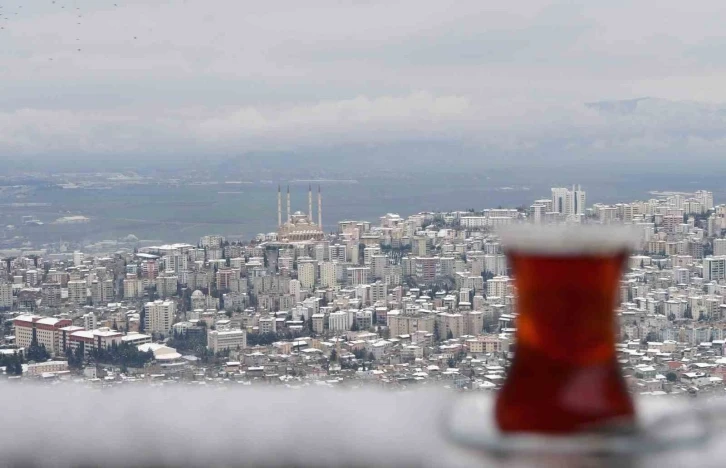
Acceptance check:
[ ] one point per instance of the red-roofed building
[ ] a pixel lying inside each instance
(45, 329)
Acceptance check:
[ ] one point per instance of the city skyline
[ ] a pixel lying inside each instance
(496, 228)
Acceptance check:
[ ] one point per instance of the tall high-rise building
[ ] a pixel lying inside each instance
(133, 288)
(537, 213)
(306, 272)
(78, 258)
(90, 322)
(706, 199)
(6, 295)
(358, 275)
(714, 268)
(719, 247)
(569, 202)
(560, 199)
(50, 294)
(102, 291)
(327, 275)
(158, 316)
(427, 269)
(78, 291)
(578, 201)
(166, 285)
(338, 252)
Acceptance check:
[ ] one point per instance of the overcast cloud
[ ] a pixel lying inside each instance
(224, 75)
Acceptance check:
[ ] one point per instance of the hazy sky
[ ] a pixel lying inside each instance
(230, 75)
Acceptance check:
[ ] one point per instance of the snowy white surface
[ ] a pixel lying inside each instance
(174, 426)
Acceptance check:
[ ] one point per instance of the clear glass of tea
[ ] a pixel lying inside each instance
(565, 377)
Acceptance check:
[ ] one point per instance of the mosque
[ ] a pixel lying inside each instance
(300, 226)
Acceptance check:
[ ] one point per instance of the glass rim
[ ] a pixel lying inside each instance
(568, 240)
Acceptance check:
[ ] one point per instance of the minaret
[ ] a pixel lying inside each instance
(310, 203)
(288, 203)
(320, 209)
(279, 207)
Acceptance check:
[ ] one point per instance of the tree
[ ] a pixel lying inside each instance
(333, 356)
(671, 377)
(13, 363)
(437, 332)
(371, 356)
(114, 325)
(651, 336)
(449, 335)
(36, 352)
(75, 357)
(355, 326)
(123, 355)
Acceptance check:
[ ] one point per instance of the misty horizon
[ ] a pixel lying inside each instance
(150, 82)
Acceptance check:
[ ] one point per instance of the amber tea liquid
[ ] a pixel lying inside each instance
(565, 377)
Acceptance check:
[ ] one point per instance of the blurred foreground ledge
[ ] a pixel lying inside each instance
(183, 427)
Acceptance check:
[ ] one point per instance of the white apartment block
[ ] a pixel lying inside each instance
(6, 295)
(340, 321)
(498, 286)
(338, 253)
(318, 323)
(379, 292)
(166, 285)
(358, 275)
(714, 268)
(99, 338)
(78, 292)
(159, 316)
(453, 323)
(719, 247)
(400, 324)
(568, 202)
(378, 265)
(47, 367)
(78, 258)
(213, 242)
(327, 275)
(90, 322)
(306, 272)
(226, 339)
(133, 288)
(267, 325)
(102, 291)
(487, 344)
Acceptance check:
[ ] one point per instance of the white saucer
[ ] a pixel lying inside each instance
(470, 423)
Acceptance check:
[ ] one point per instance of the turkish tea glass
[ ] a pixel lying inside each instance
(565, 377)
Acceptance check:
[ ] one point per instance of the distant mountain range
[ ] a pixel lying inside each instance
(627, 106)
